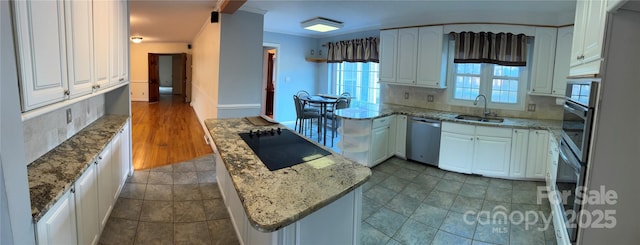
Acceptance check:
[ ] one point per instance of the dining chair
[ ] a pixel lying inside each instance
(302, 115)
(341, 103)
(306, 106)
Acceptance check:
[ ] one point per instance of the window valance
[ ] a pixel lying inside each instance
(486, 47)
(356, 50)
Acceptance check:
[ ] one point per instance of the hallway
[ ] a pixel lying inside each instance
(165, 132)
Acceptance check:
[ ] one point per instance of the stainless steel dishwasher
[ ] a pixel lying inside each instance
(423, 140)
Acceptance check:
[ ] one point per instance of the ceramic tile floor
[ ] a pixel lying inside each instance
(410, 203)
(173, 204)
(403, 203)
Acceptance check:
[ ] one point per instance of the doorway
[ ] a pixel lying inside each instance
(168, 77)
(270, 76)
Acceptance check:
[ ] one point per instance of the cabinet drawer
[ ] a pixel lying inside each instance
(382, 122)
(493, 131)
(458, 128)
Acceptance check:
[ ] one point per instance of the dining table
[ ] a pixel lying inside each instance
(323, 102)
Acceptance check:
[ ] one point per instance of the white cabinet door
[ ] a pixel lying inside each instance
(79, 27)
(491, 156)
(388, 55)
(41, 51)
(116, 163)
(537, 154)
(544, 50)
(101, 43)
(594, 31)
(407, 55)
(106, 188)
(125, 156)
(379, 145)
(391, 140)
(456, 152)
(123, 50)
(401, 136)
(430, 54)
(87, 206)
(577, 46)
(552, 162)
(519, 148)
(114, 42)
(58, 225)
(562, 60)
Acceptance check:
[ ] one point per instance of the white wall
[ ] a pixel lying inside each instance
(165, 69)
(240, 80)
(205, 60)
(294, 73)
(12, 155)
(139, 65)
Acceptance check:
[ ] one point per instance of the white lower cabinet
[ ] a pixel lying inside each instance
(456, 152)
(519, 149)
(336, 223)
(492, 151)
(475, 149)
(106, 190)
(379, 144)
(401, 136)
(537, 154)
(87, 206)
(369, 142)
(82, 213)
(58, 225)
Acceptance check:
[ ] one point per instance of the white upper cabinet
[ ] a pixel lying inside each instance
(79, 28)
(586, 51)
(114, 43)
(430, 56)
(388, 54)
(101, 19)
(561, 66)
(544, 50)
(123, 50)
(407, 55)
(40, 28)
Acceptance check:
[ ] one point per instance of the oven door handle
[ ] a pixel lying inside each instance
(578, 112)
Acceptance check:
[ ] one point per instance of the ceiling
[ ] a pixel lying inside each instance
(180, 20)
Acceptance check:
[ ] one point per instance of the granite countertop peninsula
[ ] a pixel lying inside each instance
(54, 173)
(275, 199)
(371, 111)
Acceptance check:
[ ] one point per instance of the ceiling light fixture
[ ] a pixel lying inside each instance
(136, 39)
(320, 24)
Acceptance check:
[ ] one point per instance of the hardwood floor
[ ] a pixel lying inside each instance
(165, 132)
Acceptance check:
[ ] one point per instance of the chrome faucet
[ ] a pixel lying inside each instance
(486, 111)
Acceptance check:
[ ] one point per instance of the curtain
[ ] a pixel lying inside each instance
(356, 50)
(486, 47)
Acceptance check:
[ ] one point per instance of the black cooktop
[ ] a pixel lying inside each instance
(281, 148)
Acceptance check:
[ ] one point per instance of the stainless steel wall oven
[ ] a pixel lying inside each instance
(577, 124)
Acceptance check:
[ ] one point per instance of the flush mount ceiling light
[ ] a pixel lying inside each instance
(136, 39)
(320, 24)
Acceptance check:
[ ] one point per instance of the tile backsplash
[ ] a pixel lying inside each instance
(43, 133)
(546, 107)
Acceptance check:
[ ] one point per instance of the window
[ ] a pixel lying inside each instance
(504, 86)
(357, 78)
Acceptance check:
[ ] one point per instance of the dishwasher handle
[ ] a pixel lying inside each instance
(430, 122)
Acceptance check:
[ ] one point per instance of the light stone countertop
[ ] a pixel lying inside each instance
(370, 111)
(57, 170)
(275, 199)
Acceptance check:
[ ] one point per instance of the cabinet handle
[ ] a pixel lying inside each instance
(100, 157)
(553, 91)
(96, 162)
(478, 138)
(67, 93)
(121, 79)
(73, 190)
(471, 138)
(534, 90)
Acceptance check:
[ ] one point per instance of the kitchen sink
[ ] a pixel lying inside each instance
(480, 119)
